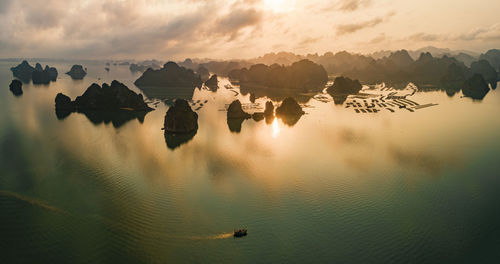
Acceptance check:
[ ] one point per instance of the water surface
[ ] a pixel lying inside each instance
(334, 187)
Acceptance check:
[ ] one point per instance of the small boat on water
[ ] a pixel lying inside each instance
(240, 232)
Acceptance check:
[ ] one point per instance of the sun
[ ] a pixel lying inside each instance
(278, 6)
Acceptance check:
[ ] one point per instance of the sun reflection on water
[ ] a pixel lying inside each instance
(275, 128)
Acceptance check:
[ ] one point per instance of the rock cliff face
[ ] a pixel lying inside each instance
(493, 57)
(484, 68)
(235, 111)
(399, 58)
(77, 72)
(213, 82)
(114, 97)
(180, 118)
(64, 103)
(453, 79)
(171, 75)
(475, 87)
(38, 67)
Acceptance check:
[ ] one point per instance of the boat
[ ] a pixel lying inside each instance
(240, 232)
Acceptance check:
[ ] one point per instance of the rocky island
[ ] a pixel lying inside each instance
(212, 83)
(289, 111)
(44, 76)
(25, 72)
(114, 97)
(235, 111)
(171, 75)
(169, 83)
(115, 103)
(180, 125)
(236, 116)
(16, 87)
(277, 82)
(77, 72)
(303, 75)
(268, 113)
(343, 87)
(180, 118)
(289, 107)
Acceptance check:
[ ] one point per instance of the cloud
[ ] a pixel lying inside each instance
(232, 23)
(131, 28)
(488, 33)
(352, 5)
(485, 33)
(4, 6)
(168, 29)
(343, 5)
(306, 42)
(379, 39)
(425, 37)
(353, 27)
(45, 14)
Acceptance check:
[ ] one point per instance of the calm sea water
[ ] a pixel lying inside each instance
(337, 187)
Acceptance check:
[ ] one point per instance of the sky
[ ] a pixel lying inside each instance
(217, 29)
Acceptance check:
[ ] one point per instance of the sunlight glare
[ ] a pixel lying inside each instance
(275, 128)
(278, 6)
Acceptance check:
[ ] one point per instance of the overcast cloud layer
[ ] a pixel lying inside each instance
(166, 29)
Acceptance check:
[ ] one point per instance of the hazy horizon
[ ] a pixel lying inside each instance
(146, 29)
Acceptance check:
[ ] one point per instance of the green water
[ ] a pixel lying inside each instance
(337, 187)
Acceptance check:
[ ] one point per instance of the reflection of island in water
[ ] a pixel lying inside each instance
(174, 140)
(168, 93)
(290, 120)
(289, 111)
(275, 94)
(118, 118)
(234, 124)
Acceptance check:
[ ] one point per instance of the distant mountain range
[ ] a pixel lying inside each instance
(287, 58)
(436, 52)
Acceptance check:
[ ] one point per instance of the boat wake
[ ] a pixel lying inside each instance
(32, 201)
(213, 237)
(41, 204)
